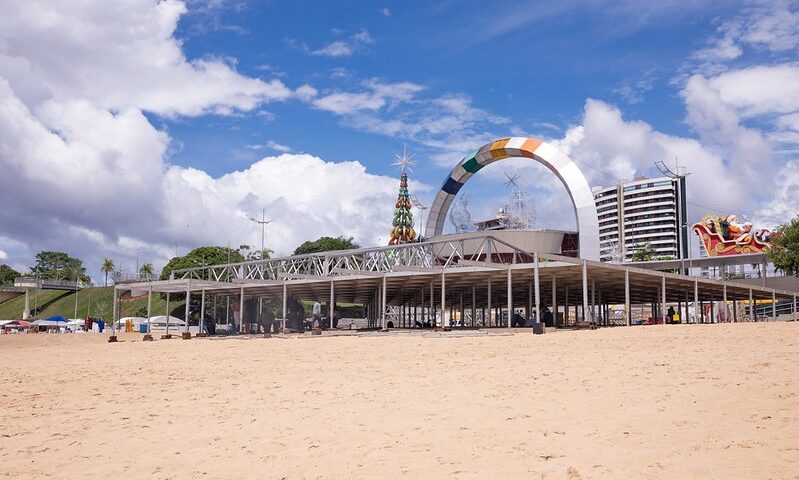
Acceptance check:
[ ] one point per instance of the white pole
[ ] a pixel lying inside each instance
(202, 310)
(474, 305)
(167, 313)
(444, 316)
(537, 282)
(383, 305)
(696, 301)
(284, 304)
(752, 313)
(332, 306)
(627, 312)
(585, 289)
(149, 306)
(510, 299)
(489, 301)
(663, 298)
(114, 314)
(188, 300)
(241, 310)
(77, 290)
(724, 297)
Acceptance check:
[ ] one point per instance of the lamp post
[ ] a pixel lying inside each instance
(137, 262)
(262, 222)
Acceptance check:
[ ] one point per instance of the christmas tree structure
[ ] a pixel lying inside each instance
(402, 226)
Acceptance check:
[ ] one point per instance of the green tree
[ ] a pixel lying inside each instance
(249, 254)
(644, 253)
(202, 257)
(784, 252)
(326, 244)
(107, 267)
(7, 275)
(146, 271)
(59, 266)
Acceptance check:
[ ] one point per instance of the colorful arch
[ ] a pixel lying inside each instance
(555, 160)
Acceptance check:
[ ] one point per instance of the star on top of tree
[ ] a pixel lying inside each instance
(404, 162)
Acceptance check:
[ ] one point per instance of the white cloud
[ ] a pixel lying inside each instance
(386, 12)
(83, 169)
(278, 147)
(762, 89)
(376, 97)
(118, 55)
(3, 255)
(337, 48)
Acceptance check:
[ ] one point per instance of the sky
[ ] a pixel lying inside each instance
(135, 129)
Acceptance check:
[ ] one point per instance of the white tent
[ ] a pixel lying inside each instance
(159, 321)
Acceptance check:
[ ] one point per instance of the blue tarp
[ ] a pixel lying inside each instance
(57, 318)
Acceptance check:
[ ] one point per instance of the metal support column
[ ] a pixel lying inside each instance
(202, 310)
(285, 295)
(115, 311)
(188, 302)
(697, 311)
(585, 288)
(752, 311)
(444, 316)
(383, 305)
(331, 309)
(663, 298)
(241, 310)
(474, 304)
(489, 301)
(537, 286)
(149, 306)
(510, 299)
(167, 314)
(627, 312)
(724, 299)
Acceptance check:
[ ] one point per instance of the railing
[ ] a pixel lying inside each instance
(35, 282)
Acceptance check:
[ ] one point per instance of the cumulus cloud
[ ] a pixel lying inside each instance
(84, 170)
(118, 55)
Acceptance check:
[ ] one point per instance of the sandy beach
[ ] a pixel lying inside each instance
(688, 401)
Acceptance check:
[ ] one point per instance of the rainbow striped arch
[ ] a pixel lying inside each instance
(555, 160)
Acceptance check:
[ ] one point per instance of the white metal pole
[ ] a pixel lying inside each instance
(202, 310)
(510, 299)
(537, 282)
(167, 313)
(188, 300)
(77, 290)
(432, 304)
(149, 307)
(284, 305)
(585, 289)
(696, 301)
(663, 298)
(383, 305)
(627, 312)
(474, 305)
(444, 316)
(752, 313)
(241, 310)
(489, 301)
(114, 314)
(332, 307)
(724, 298)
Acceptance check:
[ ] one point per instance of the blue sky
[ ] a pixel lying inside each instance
(151, 125)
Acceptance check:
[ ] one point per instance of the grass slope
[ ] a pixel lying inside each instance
(96, 302)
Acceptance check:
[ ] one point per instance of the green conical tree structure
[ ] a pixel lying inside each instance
(402, 230)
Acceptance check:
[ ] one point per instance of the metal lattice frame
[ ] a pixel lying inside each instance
(377, 260)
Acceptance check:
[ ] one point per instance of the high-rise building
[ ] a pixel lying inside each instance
(645, 211)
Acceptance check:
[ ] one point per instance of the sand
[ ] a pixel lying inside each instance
(689, 401)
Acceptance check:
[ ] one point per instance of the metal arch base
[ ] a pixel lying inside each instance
(555, 160)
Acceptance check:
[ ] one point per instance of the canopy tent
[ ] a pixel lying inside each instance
(56, 318)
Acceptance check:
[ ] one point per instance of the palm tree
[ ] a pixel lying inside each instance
(107, 267)
(146, 271)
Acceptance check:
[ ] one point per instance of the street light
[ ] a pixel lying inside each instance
(262, 222)
(137, 262)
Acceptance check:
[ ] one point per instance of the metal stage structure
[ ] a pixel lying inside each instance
(454, 283)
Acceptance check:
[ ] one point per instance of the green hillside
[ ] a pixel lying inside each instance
(96, 302)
